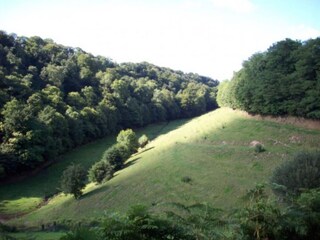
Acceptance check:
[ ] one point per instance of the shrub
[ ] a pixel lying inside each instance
(143, 140)
(302, 172)
(81, 234)
(73, 180)
(128, 138)
(138, 223)
(309, 205)
(123, 151)
(302, 219)
(101, 170)
(186, 179)
(261, 218)
(116, 156)
(199, 220)
(259, 148)
(6, 229)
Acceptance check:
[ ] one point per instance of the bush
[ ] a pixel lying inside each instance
(116, 156)
(81, 234)
(259, 148)
(6, 229)
(128, 138)
(261, 218)
(309, 205)
(138, 223)
(186, 179)
(112, 160)
(101, 170)
(302, 219)
(73, 180)
(143, 140)
(301, 173)
(123, 151)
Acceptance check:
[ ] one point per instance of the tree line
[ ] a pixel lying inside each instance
(54, 98)
(284, 80)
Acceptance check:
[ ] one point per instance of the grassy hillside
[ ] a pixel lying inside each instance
(212, 150)
(26, 195)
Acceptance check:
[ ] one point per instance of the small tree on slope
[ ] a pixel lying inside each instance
(73, 180)
(128, 138)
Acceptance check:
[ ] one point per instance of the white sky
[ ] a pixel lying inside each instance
(209, 37)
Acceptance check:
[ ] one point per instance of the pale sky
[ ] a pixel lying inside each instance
(208, 37)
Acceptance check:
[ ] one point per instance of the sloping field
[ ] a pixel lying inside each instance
(212, 150)
(30, 193)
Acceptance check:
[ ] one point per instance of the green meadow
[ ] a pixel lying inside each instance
(212, 150)
(29, 194)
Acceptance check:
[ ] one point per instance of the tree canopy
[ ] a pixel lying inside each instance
(54, 98)
(284, 80)
(73, 180)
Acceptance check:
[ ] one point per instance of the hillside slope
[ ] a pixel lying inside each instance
(213, 150)
(55, 98)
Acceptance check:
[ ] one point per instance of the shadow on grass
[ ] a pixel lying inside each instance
(156, 129)
(102, 188)
(144, 150)
(170, 126)
(238, 131)
(130, 163)
(44, 184)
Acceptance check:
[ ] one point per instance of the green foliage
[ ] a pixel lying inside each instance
(309, 205)
(128, 139)
(194, 99)
(116, 155)
(82, 233)
(281, 81)
(299, 174)
(143, 140)
(114, 158)
(54, 98)
(199, 221)
(5, 232)
(223, 95)
(4, 236)
(101, 170)
(302, 218)
(182, 152)
(261, 218)
(138, 223)
(73, 180)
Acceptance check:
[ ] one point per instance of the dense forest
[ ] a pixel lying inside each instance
(54, 98)
(284, 80)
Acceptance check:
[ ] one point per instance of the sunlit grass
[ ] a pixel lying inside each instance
(26, 195)
(20, 205)
(212, 150)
